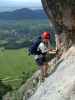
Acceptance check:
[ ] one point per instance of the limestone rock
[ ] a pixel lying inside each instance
(61, 84)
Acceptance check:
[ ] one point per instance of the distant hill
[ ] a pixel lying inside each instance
(23, 14)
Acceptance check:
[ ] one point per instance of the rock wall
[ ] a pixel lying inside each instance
(62, 14)
(61, 84)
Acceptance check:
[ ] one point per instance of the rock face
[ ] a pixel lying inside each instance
(62, 14)
(61, 84)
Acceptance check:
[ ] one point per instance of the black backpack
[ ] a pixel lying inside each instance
(33, 48)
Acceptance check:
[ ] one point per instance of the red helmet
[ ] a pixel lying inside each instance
(46, 35)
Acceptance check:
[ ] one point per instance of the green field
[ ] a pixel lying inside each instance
(15, 64)
(12, 65)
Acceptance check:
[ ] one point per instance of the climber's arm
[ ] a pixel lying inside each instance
(52, 51)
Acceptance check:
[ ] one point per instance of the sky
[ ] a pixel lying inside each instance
(8, 5)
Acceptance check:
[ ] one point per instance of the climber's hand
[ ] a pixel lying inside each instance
(52, 52)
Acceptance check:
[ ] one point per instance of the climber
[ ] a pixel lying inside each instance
(41, 48)
(44, 47)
